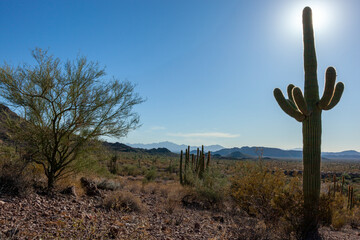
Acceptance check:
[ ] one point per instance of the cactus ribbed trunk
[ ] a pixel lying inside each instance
(311, 126)
(311, 162)
(307, 109)
(180, 168)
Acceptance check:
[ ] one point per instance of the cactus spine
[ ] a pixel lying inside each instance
(307, 109)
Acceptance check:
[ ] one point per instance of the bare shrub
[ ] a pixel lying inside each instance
(133, 186)
(174, 194)
(151, 188)
(122, 201)
(14, 180)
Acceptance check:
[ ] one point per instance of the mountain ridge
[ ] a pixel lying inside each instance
(249, 152)
(173, 147)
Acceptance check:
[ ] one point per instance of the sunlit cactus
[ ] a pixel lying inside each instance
(307, 108)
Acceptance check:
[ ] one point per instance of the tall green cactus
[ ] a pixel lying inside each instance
(181, 168)
(307, 109)
(196, 167)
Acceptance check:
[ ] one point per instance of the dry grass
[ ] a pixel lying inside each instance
(122, 201)
(71, 181)
(174, 194)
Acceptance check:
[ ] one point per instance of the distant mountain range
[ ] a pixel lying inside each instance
(170, 149)
(249, 152)
(254, 152)
(173, 147)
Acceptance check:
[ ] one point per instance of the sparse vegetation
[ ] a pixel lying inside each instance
(268, 198)
(122, 201)
(63, 108)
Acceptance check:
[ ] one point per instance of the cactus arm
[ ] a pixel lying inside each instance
(286, 106)
(289, 92)
(291, 99)
(300, 101)
(330, 78)
(339, 89)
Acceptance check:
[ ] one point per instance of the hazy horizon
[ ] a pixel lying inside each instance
(207, 68)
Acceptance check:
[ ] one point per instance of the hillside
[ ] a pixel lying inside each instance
(4, 110)
(120, 147)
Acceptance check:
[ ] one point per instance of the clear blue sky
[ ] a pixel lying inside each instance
(207, 68)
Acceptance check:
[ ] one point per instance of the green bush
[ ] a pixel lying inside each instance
(150, 174)
(210, 189)
(130, 170)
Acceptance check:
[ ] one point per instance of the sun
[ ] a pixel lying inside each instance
(322, 16)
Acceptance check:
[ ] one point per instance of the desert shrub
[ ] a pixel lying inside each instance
(255, 190)
(14, 180)
(340, 214)
(106, 184)
(209, 190)
(325, 212)
(122, 201)
(354, 219)
(334, 211)
(268, 195)
(130, 170)
(149, 188)
(173, 196)
(150, 174)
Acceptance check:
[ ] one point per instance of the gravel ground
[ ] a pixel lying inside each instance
(68, 217)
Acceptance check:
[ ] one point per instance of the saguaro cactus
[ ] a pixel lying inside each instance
(196, 166)
(181, 168)
(307, 109)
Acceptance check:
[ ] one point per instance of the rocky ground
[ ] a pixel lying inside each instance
(162, 216)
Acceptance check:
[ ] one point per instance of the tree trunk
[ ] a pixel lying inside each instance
(51, 181)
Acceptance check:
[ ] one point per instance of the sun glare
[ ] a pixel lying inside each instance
(322, 16)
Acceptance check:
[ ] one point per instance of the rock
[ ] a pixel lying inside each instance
(196, 227)
(113, 232)
(69, 191)
(218, 219)
(12, 233)
(90, 187)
